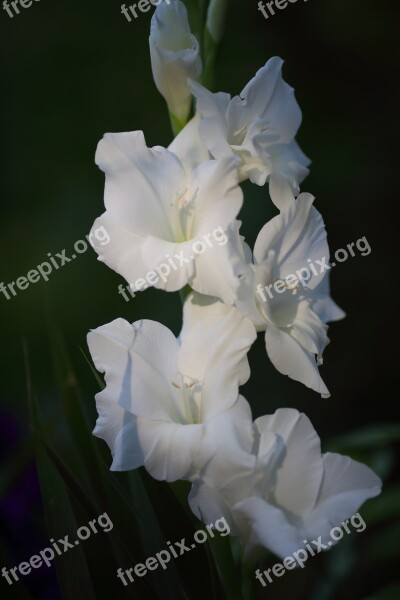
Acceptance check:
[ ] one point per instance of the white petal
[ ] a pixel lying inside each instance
(309, 330)
(225, 464)
(118, 428)
(140, 362)
(140, 183)
(216, 198)
(219, 270)
(268, 239)
(215, 341)
(268, 97)
(263, 525)
(346, 485)
(281, 192)
(213, 126)
(173, 263)
(323, 305)
(298, 474)
(290, 358)
(298, 238)
(114, 424)
(327, 309)
(219, 197)
(189, 147)
(208, 505)
(226, 453)
(252, 166)
(251, 296)
(310, 243)
(123, 251)
(290, 161)
(169, 448)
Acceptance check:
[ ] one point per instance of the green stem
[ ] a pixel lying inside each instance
(226, 567)
(248, 583)
(208, 76)
(176, 125)
(215, 24)
(184, 293)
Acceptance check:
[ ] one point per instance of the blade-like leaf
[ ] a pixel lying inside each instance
(366, 438)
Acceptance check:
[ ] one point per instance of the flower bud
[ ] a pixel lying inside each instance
(175, 57)
(216, 19)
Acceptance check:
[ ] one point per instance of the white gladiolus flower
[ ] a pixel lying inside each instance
(167, 218)
(281, 292)
(172, 404)
(175, 56)
(161, 393)
(259, 126)
(189, 147)
(287, 492)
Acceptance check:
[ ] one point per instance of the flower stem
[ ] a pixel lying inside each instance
(184, 293)
(176, 125)
(213, 33)
(248, 583)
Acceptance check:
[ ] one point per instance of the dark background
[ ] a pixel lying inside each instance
(72, 71)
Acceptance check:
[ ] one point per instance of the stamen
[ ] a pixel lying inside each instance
(181, 197)
(240, 131)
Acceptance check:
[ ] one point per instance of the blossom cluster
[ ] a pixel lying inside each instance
(173, 404)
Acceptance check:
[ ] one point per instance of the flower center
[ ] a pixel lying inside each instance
(189, 398)
(183, 209)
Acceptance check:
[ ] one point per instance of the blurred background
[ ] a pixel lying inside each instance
(72, 71)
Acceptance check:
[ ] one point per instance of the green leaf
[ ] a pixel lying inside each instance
(385, 545)
(176, 523)
(384, 507)
(72, 569)
(382, 461)
(97, 377)
(17, 590)
(123, 495)
(391, 592)
(226, 567)
(121, 539)
(16, 465)
(366, 438)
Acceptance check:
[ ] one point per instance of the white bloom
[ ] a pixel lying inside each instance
(283, 295)
(259, 126)
(160, 210)
(189, 147)
(161, 393)
(175, 56)
(291, 494)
